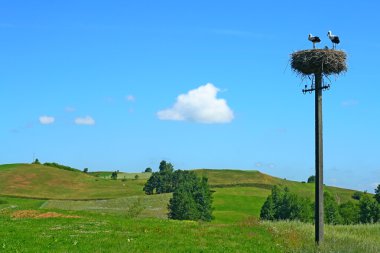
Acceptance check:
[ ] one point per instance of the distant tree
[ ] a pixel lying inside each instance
(36, 161)
(114, 175)
(311, 179)
(85, 170)
(349, 213)
(357, 195)
(165, 167)
(377, 194)
(136, 177)
(368, 209)
(192, 198)
(148, 169)
(161, 181)
(281, 204)
(331, 209)
(152, 183)
(267, 211)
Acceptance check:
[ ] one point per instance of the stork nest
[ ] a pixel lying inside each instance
(324, 61)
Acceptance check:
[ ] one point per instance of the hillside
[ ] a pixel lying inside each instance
(39, 181)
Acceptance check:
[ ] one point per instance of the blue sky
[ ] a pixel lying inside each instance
(203, 84)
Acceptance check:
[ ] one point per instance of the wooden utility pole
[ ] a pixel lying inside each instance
(318, 160)
(319, 63)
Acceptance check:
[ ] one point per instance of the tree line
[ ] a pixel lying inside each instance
(282, 204)
(192, 197)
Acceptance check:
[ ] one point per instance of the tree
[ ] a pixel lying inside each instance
(114, 175)
(377, 193)
(152, 184)
(267, 212)
(136, 177)
(85, 170)
(311, 179)
(349, 213)
(148, 170)
(331, 209)
(36, 161)
(161, 181)
(369, 210)
(281, 204)
(165, 167)
(192, 198)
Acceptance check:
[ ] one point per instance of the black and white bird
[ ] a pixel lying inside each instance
(334, 39)
(314, 39)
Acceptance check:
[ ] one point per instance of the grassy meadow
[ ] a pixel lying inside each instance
(45, 209)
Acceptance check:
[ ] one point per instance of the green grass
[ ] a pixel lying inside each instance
(299, 237)
(38, 181)
(126, 220)
(238, 203)
(98, 233)
(121, 175)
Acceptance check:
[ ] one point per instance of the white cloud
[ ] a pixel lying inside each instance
(199, 105)
(85, 121)
(46, 120)
(130, 98)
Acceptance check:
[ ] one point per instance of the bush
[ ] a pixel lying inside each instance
(331, 209)
(148, 170)
(357, 195)
(349, 213)
(369, 210)
(377, 194)
(114, 175)
(311, 179)
(62, 167)
(284, 205)
(36, 161)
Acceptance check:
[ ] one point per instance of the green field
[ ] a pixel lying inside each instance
(45, 209)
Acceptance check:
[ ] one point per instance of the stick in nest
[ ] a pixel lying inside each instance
(325, 61)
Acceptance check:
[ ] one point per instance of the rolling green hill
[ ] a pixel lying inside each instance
(44, 182)
(77, 212)
(237, 194)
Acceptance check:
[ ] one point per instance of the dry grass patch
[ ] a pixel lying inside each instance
(34, 214)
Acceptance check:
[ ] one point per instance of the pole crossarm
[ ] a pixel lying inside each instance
(312, 88)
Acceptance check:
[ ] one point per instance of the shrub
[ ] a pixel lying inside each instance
(114, 175)
(284, 205)
(357, 195)
(311, 179)
(331, 209)
(349, 213)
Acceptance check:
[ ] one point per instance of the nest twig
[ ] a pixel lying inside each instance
(325, 61)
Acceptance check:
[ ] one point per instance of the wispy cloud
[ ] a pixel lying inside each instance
(46, 120)
(239, 33)
(70, 109)
(88, 120)
(200, 105)
(130, 98)
(349, 103)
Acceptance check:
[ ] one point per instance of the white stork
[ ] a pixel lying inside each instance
(314, 39)
(334, 39)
